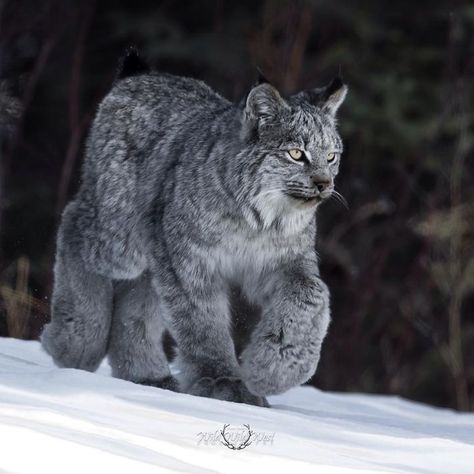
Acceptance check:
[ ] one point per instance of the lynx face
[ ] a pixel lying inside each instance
(296, 144)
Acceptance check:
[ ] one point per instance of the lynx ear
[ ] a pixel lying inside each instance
(264, 102)
(329, 98)
(334, 95)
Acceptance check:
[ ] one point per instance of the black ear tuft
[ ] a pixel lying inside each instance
(335, 85)
(261, 79)
(131, 64)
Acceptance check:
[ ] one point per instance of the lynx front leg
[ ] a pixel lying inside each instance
(284, 349)
(197, 314)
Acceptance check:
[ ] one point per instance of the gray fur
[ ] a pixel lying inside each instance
(135, 345)
(185, 194)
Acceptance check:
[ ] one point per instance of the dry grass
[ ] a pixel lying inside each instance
(18, 303)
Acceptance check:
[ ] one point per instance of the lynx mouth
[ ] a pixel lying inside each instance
(305, 199)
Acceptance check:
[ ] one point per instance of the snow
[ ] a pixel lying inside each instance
(70, 421)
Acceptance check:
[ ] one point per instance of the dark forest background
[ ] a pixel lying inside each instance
(399, 262)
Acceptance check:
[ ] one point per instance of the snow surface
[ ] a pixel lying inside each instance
(70, 421)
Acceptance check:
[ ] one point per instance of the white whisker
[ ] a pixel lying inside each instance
(340, 198)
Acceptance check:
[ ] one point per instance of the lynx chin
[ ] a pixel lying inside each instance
(185, 196)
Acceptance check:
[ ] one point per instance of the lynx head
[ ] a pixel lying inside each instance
(293, 146)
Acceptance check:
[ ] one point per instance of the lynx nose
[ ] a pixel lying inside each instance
(321, 182)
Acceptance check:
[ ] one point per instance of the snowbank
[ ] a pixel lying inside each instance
(69, 421)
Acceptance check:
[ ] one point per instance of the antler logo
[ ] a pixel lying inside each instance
(242, 444)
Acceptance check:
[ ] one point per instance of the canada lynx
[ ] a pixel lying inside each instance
(183, 196)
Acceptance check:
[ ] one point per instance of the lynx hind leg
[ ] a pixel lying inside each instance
(111, 220)
(81, 308)
(136, 350)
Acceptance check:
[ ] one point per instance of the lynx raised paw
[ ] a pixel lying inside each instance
(271, 367)
(231, 389)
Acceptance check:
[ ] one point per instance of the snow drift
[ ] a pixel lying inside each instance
(69, 421)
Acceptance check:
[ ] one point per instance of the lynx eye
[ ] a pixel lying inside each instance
(332, 156)
(295, 153)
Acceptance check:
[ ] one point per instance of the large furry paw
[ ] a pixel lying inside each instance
(270, 367)
(68, 349)
(231, 389)
(166, 383)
